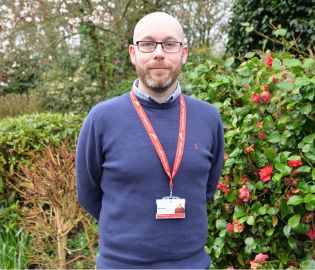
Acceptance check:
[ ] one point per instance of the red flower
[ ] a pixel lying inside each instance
(227, 177)
(295, 163)
(253, 265)
(229, 227)
(260, 124)
(244, 179)
(256, 98)
(284, 74)
(225, 188)
(265, 173)
(230, 268)
(244, 193)
(268, 60)
(249, 149)
(261, 257)
(311, 233)
(262, 135)
(237, 226)
(226, 156)
(275, 80)
(264, 96)
(239, 201)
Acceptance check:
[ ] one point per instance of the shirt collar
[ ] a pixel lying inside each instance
(140, 94)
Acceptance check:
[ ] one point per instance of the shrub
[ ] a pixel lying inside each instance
(50, 209)
(20, 139)
(63, 91)
(296, 16)
(16, 104)
(265, 200)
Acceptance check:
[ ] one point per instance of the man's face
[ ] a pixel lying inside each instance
(158, 70)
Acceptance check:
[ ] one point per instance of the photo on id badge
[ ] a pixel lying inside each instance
(170, 207)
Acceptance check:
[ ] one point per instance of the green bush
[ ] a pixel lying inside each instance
(20, 139)
(265, 200)
(65, 91)
(297, 16)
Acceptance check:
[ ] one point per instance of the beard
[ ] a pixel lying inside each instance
(158, 84)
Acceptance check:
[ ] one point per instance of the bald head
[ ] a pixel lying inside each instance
(158, 22)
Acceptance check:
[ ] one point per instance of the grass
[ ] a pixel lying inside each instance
(13, 248)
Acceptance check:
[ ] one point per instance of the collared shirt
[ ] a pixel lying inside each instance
(145, 96)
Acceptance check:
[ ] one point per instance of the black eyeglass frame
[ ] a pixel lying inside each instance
(156, 43)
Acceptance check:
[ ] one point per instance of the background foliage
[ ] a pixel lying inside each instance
(68, 55)
(298, 17)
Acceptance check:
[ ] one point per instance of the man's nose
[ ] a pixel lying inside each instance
(159, 53)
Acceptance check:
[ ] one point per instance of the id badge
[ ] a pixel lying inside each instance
(170, 207)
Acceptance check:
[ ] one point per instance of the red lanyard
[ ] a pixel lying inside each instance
(155, 140)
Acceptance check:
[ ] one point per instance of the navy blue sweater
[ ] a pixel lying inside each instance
(120, 176)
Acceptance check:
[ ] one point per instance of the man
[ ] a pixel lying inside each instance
(142, 154)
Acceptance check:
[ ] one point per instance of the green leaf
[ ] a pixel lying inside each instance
(308, 63)
(274, 137)
(232, 133)
(304, 168)
(287, 230)
(310, 206)
(270, 232)
(217, 246)
(292, 63)
(249, 241)
(249, 29)
(312, 188)
(230, 197)
(286, 86)
(229, 162)
(240, 259)
(301, 81)
(302, 228)
(238, 215)
(284, 169)
(309, 139)
(245, 24)
(259, 185)
(292, 243)
(220, 224)
(244, 71)
(309, 198)
(270, 153)
(250, 220)
(229, 62)
(262, 211)
(307, 264)
(294, 221)
(285, 209)
(269, 123)
(280, 32)
(249, 55)
(272, 211)
(295, 200)
(306, 148)
(304, 108)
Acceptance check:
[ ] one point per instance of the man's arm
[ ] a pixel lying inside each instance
(217, 161)
(89, 168)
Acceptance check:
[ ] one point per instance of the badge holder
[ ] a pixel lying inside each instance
(170, 207)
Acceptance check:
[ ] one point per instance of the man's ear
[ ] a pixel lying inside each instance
(132, 54)
(184, 54)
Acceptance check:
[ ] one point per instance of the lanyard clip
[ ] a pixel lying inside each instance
(171, 192)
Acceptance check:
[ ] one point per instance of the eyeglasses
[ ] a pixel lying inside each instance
(167, 46)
